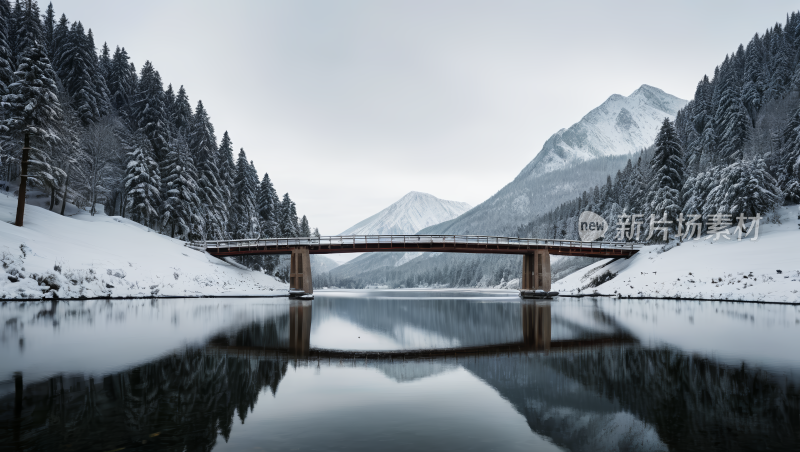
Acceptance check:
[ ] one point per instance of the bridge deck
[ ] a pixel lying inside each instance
(417, 243)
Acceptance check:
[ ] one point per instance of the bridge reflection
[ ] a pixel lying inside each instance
(498, 328)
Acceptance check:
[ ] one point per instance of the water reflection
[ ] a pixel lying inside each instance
(584, 375)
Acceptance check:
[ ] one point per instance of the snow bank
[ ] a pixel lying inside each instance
(83, 256)
(767, 269)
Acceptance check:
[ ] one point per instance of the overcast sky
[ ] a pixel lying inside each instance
(349, 105)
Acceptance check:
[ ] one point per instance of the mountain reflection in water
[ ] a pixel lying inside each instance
(582, 376)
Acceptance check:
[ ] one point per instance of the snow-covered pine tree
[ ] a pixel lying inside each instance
(48, 27)
(121, 81)
(148, 110)
(181, 113)
(105, 62)
(268, 203)
(304, 228)
(753, 82)
(59, 41)
(668, 174)
(29, 28)
(227, 175)
(788, 165)
(745, 187)
(169, 105)
(142, 186)
(6, 59)
(781, 64)
(13, 26)
(203, 148)
(32, 103)
(288, 218)
(731, 121)
(243, 209)
(78, 70)
(182, 207)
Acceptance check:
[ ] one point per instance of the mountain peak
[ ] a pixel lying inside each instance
(621, 125)
(410, 214)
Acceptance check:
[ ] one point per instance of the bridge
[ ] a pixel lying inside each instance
(535, 263)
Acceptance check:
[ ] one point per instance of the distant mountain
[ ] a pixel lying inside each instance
(621, 125)
(410, 214)
(571, 161)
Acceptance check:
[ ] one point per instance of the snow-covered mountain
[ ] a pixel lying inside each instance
(621, 125)
(571, 161)
(410, 214)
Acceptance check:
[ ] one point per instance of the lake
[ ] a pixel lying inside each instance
(399, 370)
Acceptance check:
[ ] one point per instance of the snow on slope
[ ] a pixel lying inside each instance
(621, 125)
(725, 270)
(104, 256)
(410, 214)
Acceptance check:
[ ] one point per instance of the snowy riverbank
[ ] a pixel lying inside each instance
(767, 269)
(101, 256)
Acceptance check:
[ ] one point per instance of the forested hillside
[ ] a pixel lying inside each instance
(733, 150)
(106, 134)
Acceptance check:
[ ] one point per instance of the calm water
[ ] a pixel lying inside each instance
(399, 370)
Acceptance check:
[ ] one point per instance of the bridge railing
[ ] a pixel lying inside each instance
(410, 240)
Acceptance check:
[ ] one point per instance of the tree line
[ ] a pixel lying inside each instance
(104, 134)
(733, 150)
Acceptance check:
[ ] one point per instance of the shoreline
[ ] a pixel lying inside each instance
(168, 297)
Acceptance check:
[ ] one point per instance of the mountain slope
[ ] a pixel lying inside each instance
(410, 214)
(571, 161)
(621, 125)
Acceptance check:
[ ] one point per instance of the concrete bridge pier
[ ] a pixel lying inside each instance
(300, 272)
(535, 272)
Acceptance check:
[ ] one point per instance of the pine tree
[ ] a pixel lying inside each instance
(142, 186)
(745, 187)
(169, 105)
(227, 175)
(304, 229)
(29, 28)
(732, 124)
(59, 41)
(780, 64)
(33, 101)
(753, 86)
(203, 148)
(6, 59)
(788, 171)
(79, 72)
(105, 62)
(268, 203)
(48, 27)
(148, 110)
(121, 81)
(181, 113)
(244, 202)
(182, 206)
(667, 169)
(288, 218)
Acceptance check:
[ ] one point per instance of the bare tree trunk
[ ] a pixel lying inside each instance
(52, 198)
(64, 197)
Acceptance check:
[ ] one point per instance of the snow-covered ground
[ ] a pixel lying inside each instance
(79, 255)
(767, 269)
